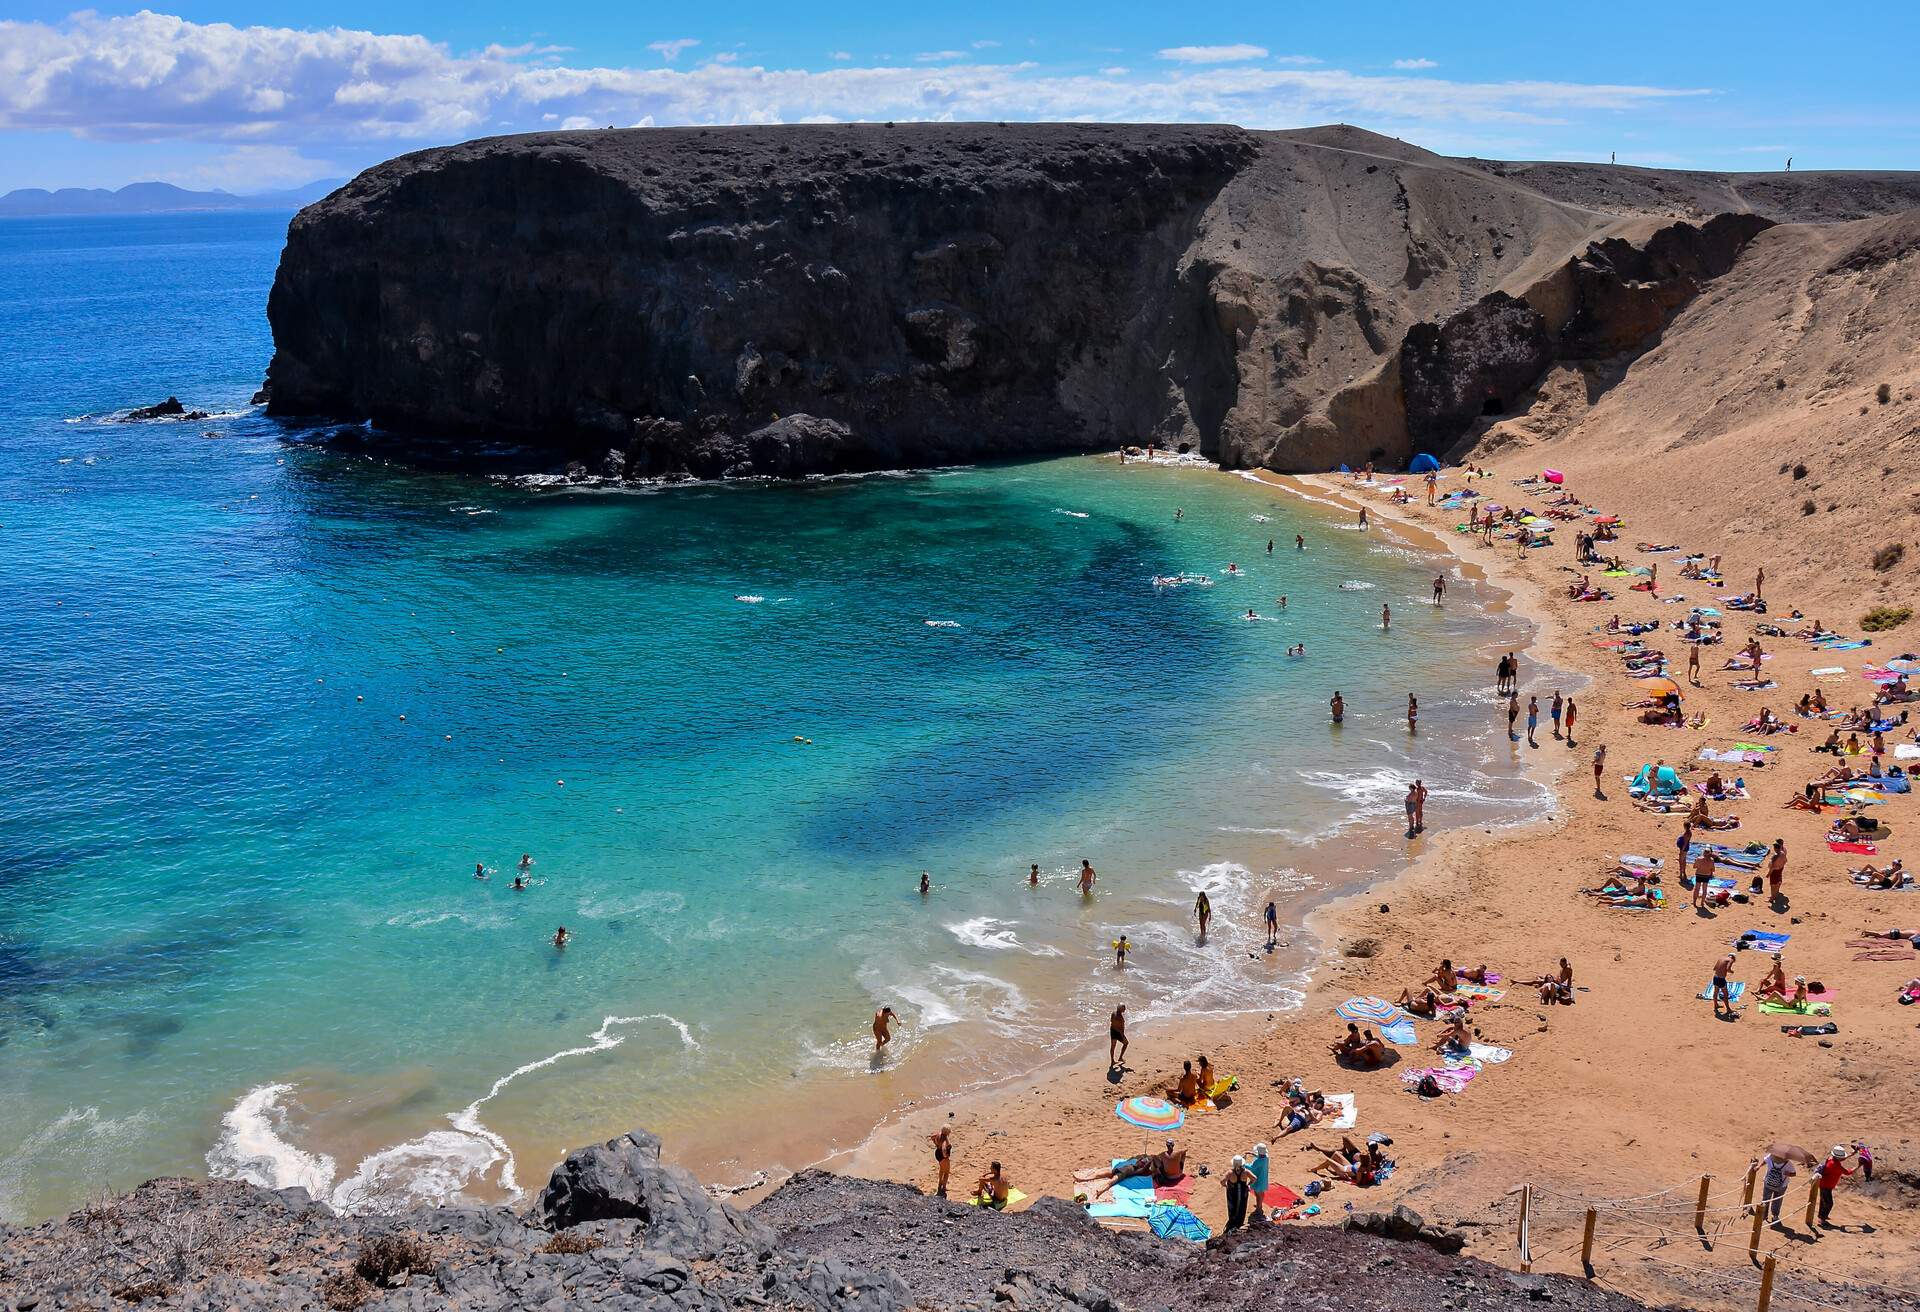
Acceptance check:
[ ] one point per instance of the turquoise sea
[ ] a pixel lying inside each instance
(263, 708)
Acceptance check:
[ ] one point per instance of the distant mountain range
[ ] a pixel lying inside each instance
(153, 198)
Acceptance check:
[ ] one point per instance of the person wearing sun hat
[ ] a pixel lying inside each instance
(1261, 1169)
(1832, 1171)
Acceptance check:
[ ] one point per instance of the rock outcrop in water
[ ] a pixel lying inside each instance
(732, 301)
(617, 1229)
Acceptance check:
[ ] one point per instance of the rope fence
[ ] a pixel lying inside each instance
(1729, 1219)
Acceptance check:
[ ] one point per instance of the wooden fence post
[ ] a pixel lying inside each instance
(1766, 1286)
(1813, 1200)
(1700, 1207)
(1526, 1237)
(1753, 1172)
(1753, 1240)
(1586, 1242)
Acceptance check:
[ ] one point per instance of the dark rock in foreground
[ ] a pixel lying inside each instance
(614, 1228)
(167, 409)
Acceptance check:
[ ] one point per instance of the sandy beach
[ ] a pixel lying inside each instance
(1624, 1101)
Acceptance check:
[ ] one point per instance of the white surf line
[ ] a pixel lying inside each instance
(467, 1119)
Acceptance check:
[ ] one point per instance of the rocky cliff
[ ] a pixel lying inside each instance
(617, 1229)
(733, 301)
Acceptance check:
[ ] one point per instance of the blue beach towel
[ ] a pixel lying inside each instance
(1400, 1033)
(1759, 940)
(1734, 990)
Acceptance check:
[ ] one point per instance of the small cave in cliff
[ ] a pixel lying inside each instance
(1493, 405)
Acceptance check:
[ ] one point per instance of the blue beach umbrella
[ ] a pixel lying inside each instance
(1424, 464)
(1377, 1010)
(1172, 1221)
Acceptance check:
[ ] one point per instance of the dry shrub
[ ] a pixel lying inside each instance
(344, 1291)
(385, 1256)
(1882, 618)
(142, 1290)
(1889, 556)
(1883, 394)
(1799, 472)
(1807, 507)
(570, 1241)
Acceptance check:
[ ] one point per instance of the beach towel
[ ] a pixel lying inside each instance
(1864, 849)
(1479, 992)
(1278, 1198)
(1634, 861)
(1451, 1078)
(1772, 1008)
(1400, 1033)
(1760, 940)
(1349, 1111)
(1734, 989)
(1488, 1055)
(1130, 1205)
(1846, 646)
(1013, 1196)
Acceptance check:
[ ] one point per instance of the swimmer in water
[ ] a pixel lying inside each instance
(519, 883)
(1232, 568)
(882, 1028)
(926, 884)
(479, 870)
(1283, 603)
(1033, 876)
(1338, 706)
(1250, 614)
(526, 860)
(1299, 543)
(1269, 546)
(1178, 515)
(561, 937)
(1086, 877)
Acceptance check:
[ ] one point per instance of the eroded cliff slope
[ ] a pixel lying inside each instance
(730, 301)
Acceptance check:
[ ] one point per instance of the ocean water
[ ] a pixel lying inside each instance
(263, 707)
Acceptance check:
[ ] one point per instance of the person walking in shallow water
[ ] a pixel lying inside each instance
(1273, 924)
(1573, 711)
(1086, 877)
(1338, 707)
(1413, 713)
(1386, 617)
(882, 1028)
(1513, 716)
(1202, 912)
(1533, 719)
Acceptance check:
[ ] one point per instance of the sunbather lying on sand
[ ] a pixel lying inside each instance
(1129, 1168)
(1893, 876)
(1554, 988)
(1427, 1002)
(1303, 1115)
(1351, 1162)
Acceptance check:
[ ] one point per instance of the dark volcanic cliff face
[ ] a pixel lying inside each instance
(734, 301)
(932, 292)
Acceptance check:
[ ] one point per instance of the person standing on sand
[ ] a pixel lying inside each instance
(1773, 1185)
(1273, 924)
(1693, 664)
(1759, 582)
(942, 1160)
(1555, 709)
(1533, 719)
(1419, 806)
(1573, 711)
(1338, 706)
(1722, 997)
(882, 1028)
(1777, 873)
(1086, 877)
(1117, 1037)
(1239, 1186)
(1832, 1171)
(1703, 868)
(1202, 912)
(1599, 764)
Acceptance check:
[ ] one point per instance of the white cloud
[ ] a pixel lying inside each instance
(985, 45)
(672, 50)
(149, 77)
(1213, 54)
(841, 55)
(939, 56)
(244, 169)
(576, 123)
(1414, 65)
(726, 57)
(1117, 70)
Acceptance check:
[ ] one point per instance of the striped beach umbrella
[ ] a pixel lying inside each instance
(1150, 1113)
(1377, 1010)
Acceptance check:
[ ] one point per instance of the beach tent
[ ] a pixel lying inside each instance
(1660, 686)
(1424, 464)
(1661, 781)
(1553, 476)
(1344, 469)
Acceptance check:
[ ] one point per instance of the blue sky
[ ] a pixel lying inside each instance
(263, 95)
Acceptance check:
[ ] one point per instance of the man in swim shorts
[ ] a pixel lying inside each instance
(1338, 706)
(1412, 797)
(1273, 924)
(1117, 1037)
(1722, 994)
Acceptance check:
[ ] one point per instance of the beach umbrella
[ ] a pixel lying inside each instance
(1150, 1113)
(1172, 1221)
(1660, 686)
(1378, 1010)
